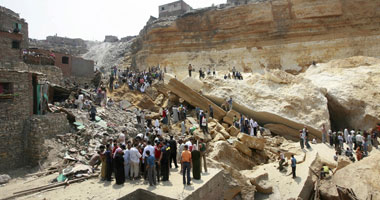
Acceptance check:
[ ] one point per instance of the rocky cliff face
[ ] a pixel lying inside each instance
(284, 34)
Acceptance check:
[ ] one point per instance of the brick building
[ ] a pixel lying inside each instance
(24, 93)
(173, 9)
(13, 36)
(22, 124)
(79, 69)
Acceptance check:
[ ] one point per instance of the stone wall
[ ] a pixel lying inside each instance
(14, 112)
(212, 190)
(44, 127)
(53, 74)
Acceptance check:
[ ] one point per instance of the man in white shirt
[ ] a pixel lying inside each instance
(127, 164)
(134, 156)
(251, 125)
(80, 101)
(149, 148)
(157, 123)
(122, 138)
(255, 126)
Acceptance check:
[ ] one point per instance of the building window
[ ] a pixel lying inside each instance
(15, 44)
(162, 8)
(17, 28)
(6, 90)
(65, 60)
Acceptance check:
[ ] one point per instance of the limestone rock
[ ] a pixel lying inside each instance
(194, 98)
(351, 100)
(228, 155)
(159, 99)
(233, 131)
(252, 142)
(218, 137)
(362, 173)
(4, 178)
(261, 184)
(343, 161)
(242, 148)
(229, 118)
(224, 133)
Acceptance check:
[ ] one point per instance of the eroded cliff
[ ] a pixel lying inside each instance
(284, 34)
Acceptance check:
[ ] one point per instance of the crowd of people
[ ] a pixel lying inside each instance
(150, 158)
(357, 141)
(138, 81)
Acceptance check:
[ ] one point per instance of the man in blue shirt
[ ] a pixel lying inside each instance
(151, 168)
(294, 162)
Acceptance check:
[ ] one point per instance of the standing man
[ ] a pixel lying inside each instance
(202, 149)
(190, 68)
(173, 152)
(164, 161)
(127, 164)
(157, 156)
(211, 111)
(230, 103)
(196, 160)
(109, 162)
(186, 163)
(294, 163)
(324, 133)
(135, 160)
(151, 169)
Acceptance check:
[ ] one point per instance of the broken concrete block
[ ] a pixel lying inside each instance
(242, 148)
(233, 131)
(252, 142)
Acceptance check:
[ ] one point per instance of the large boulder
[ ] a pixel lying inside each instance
(228, 155)
(242, 148)
(252, 142)
(343, 161)
(218, 137)
(363, 177)
(4, 178)
(261, 183)
(233, 131)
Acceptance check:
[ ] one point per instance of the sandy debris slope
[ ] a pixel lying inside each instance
(108, 54)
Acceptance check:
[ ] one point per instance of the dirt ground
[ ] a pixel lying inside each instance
(96, 189)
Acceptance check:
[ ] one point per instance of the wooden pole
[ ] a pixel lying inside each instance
(46, 187)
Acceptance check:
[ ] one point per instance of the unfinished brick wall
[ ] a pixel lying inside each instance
(43, 127)
(22, 134)
(53, 74)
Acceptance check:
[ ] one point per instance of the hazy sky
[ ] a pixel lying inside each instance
(90, 19)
